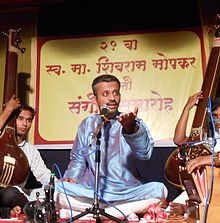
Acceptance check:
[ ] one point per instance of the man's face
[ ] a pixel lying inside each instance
(108, 93)
(216, 116)
(23, 123)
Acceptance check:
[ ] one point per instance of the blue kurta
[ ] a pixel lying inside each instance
(120, 153)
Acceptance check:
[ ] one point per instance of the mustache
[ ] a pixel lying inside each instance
(112, 102)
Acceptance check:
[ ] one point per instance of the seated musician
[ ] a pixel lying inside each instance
(181, 138)
(125, 139)
(15, 198)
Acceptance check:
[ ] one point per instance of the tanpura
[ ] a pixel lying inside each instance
(175, 168)
(14, 167)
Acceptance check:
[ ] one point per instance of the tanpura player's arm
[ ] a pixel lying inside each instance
(203, 161)
(8, 108)
(217, 159)
(4, 115)
(180, 131)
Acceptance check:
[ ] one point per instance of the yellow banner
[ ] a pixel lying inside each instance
(158, 72)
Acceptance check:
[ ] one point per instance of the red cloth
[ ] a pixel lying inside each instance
(11, 220)
(14, 219)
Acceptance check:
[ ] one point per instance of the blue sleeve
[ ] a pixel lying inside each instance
(141, 142)
(77, 165)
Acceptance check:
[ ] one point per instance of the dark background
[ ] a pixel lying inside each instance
(92, 17)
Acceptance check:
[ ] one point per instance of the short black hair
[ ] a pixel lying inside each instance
(215, 103)
(25, 107)
(104, 78)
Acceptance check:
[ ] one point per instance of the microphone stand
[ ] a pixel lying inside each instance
(95, 209)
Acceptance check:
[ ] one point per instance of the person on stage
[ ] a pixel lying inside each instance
(125, 140)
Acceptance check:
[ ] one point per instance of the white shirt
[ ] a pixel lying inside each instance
(38, 168)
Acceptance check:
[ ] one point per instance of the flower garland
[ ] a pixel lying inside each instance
(155, 214)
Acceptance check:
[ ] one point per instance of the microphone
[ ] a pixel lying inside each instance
(104, 110)
(210, 130)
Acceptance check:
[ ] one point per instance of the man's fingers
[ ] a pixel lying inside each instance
(135, 110)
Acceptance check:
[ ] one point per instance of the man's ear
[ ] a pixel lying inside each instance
(94, 99)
